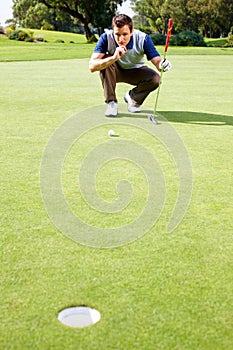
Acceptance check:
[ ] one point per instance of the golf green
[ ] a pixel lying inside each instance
(157, 290)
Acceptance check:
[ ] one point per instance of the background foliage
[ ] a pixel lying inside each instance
(206, 17)
(211, 18)
(67, 15)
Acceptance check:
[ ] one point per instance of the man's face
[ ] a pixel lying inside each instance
(122, 35)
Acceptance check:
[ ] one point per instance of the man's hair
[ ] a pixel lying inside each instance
(121, 20)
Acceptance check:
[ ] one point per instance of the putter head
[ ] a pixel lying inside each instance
(152, 119)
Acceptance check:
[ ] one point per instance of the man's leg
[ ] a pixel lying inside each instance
(145, 79)
(108, 79)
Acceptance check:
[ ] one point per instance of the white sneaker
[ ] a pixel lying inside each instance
(133, 106)
(111, 110)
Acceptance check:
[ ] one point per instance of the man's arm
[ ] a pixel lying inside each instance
(100, 61)
(156, 61)
(153, 55)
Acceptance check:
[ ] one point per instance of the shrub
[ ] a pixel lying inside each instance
(12, 26)
(59, 41)
(229, 42)
(47, 26)
(158, 39)
(8, 31)
(187, 38)
(29, 40)
(39, 38)
(19, 35)
(146, 29)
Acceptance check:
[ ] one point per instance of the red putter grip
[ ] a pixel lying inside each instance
(169, 32)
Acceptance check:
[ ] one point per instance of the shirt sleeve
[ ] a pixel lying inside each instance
(102, 44)
(149, 48)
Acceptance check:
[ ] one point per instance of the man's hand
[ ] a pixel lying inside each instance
(100, 61)
(120, 51)
(165, 65)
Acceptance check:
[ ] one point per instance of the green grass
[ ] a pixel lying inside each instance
(75, 46)
(163, 291)
(51, 36)
(219, 42)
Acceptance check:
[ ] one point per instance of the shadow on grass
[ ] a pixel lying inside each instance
(185, 117)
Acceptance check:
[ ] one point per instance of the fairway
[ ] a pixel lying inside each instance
(159, 290)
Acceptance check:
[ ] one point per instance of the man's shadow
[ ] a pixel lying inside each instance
(183, 117)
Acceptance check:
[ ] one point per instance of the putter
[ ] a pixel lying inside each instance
(169, 31)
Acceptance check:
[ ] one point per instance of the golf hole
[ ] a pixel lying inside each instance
(79, 316)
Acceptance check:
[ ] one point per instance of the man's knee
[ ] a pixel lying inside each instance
(155, 80)
(109, 72)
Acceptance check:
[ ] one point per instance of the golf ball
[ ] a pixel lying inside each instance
(111, 133)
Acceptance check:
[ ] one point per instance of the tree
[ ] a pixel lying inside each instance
(212, 17)
(20, 9)
(180, 12)
(96, 12)
(159, 11)
(63, 14)
(29, 13)
(149, 9)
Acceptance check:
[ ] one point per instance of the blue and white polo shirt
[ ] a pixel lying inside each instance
(140, 44)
